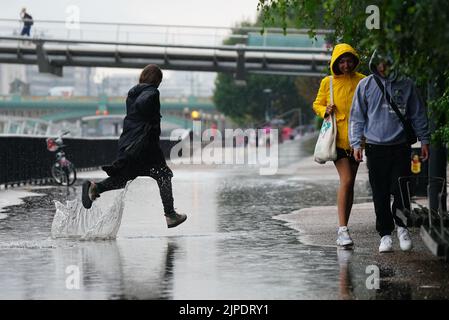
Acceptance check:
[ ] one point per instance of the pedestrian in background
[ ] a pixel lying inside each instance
(388, 148)
(27, 22)
(139, 153)
(344, 79)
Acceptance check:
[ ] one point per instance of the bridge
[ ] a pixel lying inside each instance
(56, 44)
(38, 114)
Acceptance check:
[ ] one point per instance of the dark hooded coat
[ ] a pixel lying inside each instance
(138, 145)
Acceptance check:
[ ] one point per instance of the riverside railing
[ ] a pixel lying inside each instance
(26, 160)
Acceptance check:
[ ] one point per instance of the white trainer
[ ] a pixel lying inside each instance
(386, 244)
(343, 237)
(405, 242)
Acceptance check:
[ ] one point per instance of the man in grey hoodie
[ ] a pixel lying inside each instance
(387, 148)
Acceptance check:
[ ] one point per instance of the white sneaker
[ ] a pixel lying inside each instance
(386, 244)
(405, 242)
(344, 239)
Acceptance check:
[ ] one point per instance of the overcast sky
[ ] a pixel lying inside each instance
(187, 12)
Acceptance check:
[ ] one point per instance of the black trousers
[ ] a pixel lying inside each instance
(26, 31)
(160, 172)
(385, 165)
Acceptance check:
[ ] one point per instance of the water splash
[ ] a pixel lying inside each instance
(100, 222)
(29, 244)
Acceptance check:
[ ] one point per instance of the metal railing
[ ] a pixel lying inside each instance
(139, 32)
(96, 44)
(433, 222)
(26, 160)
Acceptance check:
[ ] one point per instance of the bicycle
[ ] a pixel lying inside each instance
(63, 171)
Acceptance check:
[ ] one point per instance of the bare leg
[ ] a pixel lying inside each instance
(347, 171)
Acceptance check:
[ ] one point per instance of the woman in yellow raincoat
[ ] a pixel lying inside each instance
(343, 64)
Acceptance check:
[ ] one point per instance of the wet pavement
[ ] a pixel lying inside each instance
(232, 246)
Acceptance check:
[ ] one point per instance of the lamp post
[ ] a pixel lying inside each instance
(186, 113)
(268, 91)
(223, 122)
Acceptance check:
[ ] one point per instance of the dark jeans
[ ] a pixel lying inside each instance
(161, 173)
(385, 165)
(26, 31)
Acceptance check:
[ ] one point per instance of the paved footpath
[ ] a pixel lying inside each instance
(405, 275)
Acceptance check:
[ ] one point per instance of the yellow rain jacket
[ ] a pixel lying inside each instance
(344, 88)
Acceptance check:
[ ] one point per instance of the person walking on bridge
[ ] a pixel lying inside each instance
(27, 22)
(139, 153)
(344, 62)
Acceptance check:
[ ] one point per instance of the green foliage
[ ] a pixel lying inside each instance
(247, 104)
(440, 113)
(416, 32)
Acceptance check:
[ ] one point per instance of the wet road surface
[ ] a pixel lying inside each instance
(229, 248)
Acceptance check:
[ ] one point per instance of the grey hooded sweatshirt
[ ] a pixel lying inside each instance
(372, 116)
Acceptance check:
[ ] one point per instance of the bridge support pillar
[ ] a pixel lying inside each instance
(43, 63)
(240, 73)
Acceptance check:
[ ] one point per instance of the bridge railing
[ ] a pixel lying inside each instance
(108, 99)
(135, 32)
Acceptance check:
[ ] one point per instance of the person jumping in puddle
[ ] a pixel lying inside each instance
(139, 153)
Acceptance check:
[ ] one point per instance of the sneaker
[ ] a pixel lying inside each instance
(344, 239)
(89, 194)
(175, 219)
(386, 244)
(405, 242)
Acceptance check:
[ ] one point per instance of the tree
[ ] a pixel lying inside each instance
(248, 104)
(415, 32)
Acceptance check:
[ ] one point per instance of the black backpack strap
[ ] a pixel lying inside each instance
(390, 101)
(406, 124)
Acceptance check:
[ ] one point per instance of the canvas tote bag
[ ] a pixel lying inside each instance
(326, 148)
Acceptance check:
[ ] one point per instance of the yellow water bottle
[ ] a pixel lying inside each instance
(416, 164)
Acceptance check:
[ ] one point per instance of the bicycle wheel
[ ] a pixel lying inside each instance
(71, 176)
(58, 173)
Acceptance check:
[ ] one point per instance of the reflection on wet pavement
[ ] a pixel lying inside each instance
(229, 248)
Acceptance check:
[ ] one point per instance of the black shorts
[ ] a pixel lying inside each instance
(342, 153)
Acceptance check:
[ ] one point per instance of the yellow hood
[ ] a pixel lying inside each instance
(341, 49)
